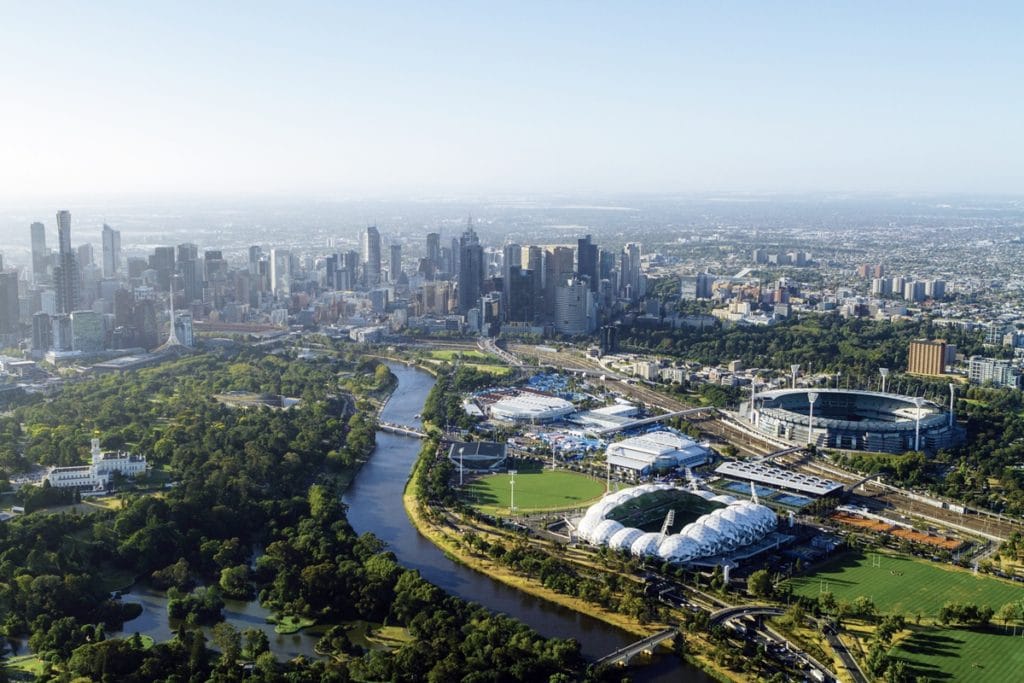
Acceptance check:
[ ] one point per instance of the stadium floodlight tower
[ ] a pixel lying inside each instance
(812, 396)
(884, 372)
(795, 368)
(462, 467)
(512, 492)
(952, 403)
(919, 402)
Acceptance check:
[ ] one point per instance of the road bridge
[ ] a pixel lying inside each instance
(623, 655)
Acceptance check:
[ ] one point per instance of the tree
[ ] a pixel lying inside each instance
(759, 584)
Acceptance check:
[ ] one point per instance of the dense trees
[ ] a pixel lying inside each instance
(256, 478)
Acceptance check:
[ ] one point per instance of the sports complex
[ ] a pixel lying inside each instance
(854, 420)
(639, 520)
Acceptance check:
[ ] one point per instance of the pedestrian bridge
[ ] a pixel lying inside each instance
(403, 430)
(623, 655)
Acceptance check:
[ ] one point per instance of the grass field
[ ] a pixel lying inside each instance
(491, 369)
(535, 491)
(288, 625)
(946, 654)
(24, 667)
(468, 354)
(905, 585)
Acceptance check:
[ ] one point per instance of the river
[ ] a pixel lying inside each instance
(374, 502)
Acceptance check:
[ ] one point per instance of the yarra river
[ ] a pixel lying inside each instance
(374, 502)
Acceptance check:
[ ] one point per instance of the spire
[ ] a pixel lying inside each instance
(172, 335)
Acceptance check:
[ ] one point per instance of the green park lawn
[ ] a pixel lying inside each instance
(535, 491)
(905, 585)
(468, 354)
(290, 624)
(947, 654)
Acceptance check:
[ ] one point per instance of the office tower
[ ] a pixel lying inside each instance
(146, 333)
(86, 331)
(42, 332)
(574, 307)
(395, 268)
(61, 338)
(451, 263)
(215, 268)
(471, 269)
(66, 273)
(520, 302)
(162, 261)
(927, 357)
(434, 252)
(558, 265)
(280, 272)
(371, 256)
(609, 339)
(85, 256)
(40, 254)
(111, 251)
(512, 255)
(9, 309)
(705, 285)
(587, 261)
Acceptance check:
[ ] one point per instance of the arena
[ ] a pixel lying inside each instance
(522, 406)
(730, 525)
(854, 420)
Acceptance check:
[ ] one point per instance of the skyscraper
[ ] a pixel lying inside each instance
(557, 266)
(512, 258)
(587, 261)
(371, 256)
(40, 254)
(434, 252)
(471, 269)
(66, 274)
(111, 251)
(8, 304)
(280, 272)
(395, 268)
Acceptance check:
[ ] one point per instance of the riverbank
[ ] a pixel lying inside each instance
(449, 544)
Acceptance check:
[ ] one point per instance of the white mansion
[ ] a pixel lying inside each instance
(96, 475)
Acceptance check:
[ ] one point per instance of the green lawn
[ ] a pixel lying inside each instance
(946, 654)
(490, 369)
(288, 625)
(905, 585)
(468, 354)
(535, 491)
(24, 667)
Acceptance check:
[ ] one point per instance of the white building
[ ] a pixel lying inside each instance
(530, 407)
(642, 455)
(96, 475)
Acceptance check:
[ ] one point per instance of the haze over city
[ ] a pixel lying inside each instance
(412, 99)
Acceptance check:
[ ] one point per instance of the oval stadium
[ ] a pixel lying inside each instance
(630, 521)
(854, 420)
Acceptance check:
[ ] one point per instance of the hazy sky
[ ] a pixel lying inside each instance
(431, 97)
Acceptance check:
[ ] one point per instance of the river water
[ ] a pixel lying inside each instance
(374, 502)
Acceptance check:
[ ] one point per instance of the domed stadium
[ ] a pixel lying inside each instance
(724, 523)
(854, 420)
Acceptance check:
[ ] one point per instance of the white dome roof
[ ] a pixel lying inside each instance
(646, 544)
(623, 539)
(678, 548)
(604, 530)
(724, 499)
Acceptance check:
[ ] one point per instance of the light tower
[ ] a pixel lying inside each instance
(884, 372)
(918, 401)
(462, 469)
(952, 403)
(811, 398)
(795, 368)
(512, 492)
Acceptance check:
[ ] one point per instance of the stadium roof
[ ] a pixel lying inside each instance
(665, 448)
(528, 406)
(784, 479)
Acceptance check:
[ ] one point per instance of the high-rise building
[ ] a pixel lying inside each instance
(587, 261)
(86, 331)
(42, 332)
(471, 269)
(512, 257)
(395, 267)
(9, 308)
(111, 251)
(433, 253)
(999, 373)
(927, 357)
(85, 256)
(371, 256)
(558, 265)
(280, 272)
(574, 314)
(40, 254)
(66, 274)
(705, 285)
(162, 261)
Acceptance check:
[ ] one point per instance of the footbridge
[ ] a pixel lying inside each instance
(403, 430)
(623, 655)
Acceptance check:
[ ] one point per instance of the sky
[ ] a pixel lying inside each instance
(341, 100)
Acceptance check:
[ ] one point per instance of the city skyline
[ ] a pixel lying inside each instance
(341, 101)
